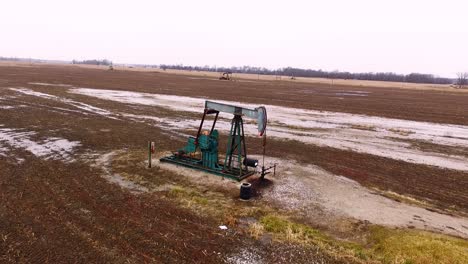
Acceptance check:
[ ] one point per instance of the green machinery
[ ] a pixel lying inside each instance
(236, 163)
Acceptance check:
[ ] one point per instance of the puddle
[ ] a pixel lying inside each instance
(350, 94)
(49, 148)
(104, 163)
(51, 84)
(79, 105)
(3, 151)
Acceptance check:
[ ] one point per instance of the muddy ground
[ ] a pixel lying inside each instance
(57, 206)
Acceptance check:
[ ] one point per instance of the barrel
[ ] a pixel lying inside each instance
(245, 191)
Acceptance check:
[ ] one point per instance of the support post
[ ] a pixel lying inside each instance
(236, 149)
(149, 154)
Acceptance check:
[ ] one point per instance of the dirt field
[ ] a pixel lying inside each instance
(74, 187)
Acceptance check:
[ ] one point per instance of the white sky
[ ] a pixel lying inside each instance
(361, 35)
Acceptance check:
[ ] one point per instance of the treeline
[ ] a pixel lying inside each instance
(19, 59)
(93, 62)
(10, 59)
(297, 72)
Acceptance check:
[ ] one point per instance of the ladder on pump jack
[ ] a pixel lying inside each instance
(236, 162)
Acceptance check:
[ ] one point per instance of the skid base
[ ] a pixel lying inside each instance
(194, 163)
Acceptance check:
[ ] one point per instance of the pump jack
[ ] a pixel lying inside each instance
(236, 162)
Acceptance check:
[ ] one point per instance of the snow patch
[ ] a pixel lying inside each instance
(104, 162)
(350, 94)
(177, 103)
(34, 93)
(50, 148)
(79, 105)
(3, 151)
(51, 84)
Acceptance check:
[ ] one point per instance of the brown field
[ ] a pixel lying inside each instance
(68, 205)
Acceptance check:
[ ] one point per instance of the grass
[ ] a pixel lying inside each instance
(401, 131)
(214, 204)
(364, 127)
(403, 198)
(384, 245)
(284, 229)
(434, 147)
(417, 247)
(381, 244)
(189, 196)
(256, 230)
(299, 128)
(292, 231)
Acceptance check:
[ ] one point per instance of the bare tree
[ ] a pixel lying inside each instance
(462, 79)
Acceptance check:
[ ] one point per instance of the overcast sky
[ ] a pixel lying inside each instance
(360, 36)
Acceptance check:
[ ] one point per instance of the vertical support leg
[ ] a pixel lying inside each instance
(149, 154)
(236, 146)
(239, 145)
(227, 160)
(244, 149)
(233, 146)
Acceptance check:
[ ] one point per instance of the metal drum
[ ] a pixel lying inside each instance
(245, 191)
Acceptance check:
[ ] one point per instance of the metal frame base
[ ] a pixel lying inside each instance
(196, 164)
